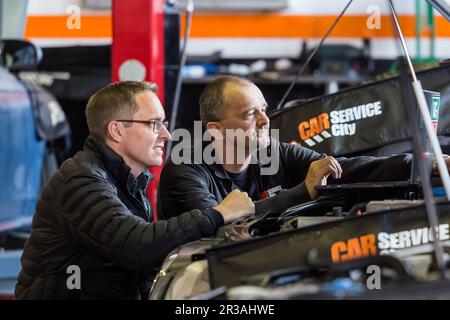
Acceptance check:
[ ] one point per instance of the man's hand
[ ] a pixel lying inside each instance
(318, 173)
(435, 169)
(447, 161)
(236, 205)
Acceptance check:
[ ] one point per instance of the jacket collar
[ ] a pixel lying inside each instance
(115, 164)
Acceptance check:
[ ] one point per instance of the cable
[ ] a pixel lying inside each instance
(302, 69)
(176, 101)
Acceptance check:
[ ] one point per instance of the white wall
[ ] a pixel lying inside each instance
(384, 48)
(357, 7)
(13, 15)
(267, 47)
(52, 7)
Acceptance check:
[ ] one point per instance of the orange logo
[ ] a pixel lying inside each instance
(314, 126)
(354, 248)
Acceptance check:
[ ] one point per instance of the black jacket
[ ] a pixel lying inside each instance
(94, 214)
(186, 186)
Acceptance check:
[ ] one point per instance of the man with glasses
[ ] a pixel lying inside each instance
(93, 235)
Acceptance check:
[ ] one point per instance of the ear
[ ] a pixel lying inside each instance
(116, 131)
(215, 130)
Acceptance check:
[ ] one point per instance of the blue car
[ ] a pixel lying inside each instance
(34, 133)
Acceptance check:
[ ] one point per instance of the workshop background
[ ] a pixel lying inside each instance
(78, 46)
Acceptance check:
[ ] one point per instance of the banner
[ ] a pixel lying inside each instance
(359, 119)
(348, 239)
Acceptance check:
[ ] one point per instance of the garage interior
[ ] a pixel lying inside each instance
(345, 79)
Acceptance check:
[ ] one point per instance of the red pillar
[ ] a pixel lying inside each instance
(138, 51)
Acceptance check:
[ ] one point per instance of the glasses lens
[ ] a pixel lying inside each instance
(158, 125)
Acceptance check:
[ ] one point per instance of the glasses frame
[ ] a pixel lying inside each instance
(151, 123)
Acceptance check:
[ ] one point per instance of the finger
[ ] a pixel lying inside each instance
(323, 174)
(323, 168)
(324, 181)
(336, 167)
(234, 192)
(329, 169)
(333, 171)
(320, 164)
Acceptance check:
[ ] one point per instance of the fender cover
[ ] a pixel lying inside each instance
(325, 244)
(360, 119)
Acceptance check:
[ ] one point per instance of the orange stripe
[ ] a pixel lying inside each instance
(56, 27)
(442, 27)
(269, 25)
(240, 25)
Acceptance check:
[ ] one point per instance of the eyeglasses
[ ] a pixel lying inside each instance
(156, 125)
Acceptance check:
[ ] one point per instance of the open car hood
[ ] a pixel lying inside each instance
(360, 119)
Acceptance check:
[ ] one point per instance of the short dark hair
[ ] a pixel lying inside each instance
(116, 100)
(212, 102)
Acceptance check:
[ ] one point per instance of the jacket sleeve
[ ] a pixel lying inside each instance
(355, 169)
(97, 218)
(181, 188)
(295, 162)
(285, 199)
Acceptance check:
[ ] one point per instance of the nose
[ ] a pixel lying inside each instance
(165, 134)
(263, 119)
